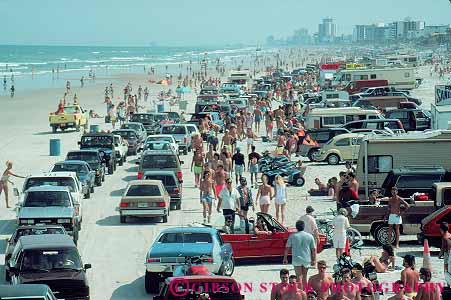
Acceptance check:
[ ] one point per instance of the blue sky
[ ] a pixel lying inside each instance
(195, 22)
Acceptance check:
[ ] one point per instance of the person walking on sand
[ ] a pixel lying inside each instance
(197, 164)
(252, 165)
(280, 198)
(310, 223)
(207, 195)
(303, 249)
(13, 90)
(4, 180)
(264, 195)
(246, 199)
(229, 202)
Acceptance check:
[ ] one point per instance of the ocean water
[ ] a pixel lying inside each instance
(32, 67)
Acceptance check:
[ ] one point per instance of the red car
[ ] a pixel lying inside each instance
(430, 226)
(246, 244)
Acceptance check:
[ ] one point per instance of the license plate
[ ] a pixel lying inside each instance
(141, 205)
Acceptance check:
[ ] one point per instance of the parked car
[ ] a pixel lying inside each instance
(163, 160)
(131, 137)
(343, 147)
(164, 137)
(320, 136)
(171, 183)
(104, 143)
(394, 125)
(181, 134)
(53, 259)
(73, 116)
(147, 120)
(144, 198)
(121, 146)
(173, 244)
(50, 205)
(85, 174)
(138, 127)
(248, 245)
(411, 119)
(95, 160)
(30, 230)
(216, 287)
(26, 292)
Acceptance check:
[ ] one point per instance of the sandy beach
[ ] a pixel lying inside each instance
(117, 251)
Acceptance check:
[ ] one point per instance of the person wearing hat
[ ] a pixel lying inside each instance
(310, 223)
(246, 199)
(363, 283)
(238, 164)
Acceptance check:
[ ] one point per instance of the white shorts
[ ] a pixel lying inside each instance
(300, 262)
(339, 241)
(394, 219)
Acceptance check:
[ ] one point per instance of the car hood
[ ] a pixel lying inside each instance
(180, 249)
(47, 212)
(83, 177)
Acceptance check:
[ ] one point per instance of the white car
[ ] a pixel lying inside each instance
(121, 148)
(163, 138)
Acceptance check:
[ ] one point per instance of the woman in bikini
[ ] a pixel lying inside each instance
(264, 195)
(387, 258)
(4, 180)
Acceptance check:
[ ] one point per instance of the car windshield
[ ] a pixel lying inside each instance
(79, 169)
(89, 157)
(142, 118)
(54, 181)
(126, 134)
(48, 259)
(143, 190)
(160, 138)
(159, 162)
(36, 231)
(131, 126)
(185, 237)
(173, 130)
(167, 180)
(163, 145)
(160, 117)
(47, 198)
(97, 140)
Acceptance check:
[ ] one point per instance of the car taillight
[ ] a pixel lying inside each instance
(140, 175)
(124, 204)
(153, 260)
(176, 190)
(161, 204)
(185, 140)
(421, 197)
(180, 175)
(208, 260)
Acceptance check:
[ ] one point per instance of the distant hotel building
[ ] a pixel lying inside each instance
(327, 31)
(398, 30)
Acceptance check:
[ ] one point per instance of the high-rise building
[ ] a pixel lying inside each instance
(327, 30)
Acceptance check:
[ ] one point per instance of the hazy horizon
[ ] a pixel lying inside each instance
(138, 23)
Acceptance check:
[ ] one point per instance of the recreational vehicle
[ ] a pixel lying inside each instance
(334, 117)
(403, 78)
(380, 154)
(241, 78)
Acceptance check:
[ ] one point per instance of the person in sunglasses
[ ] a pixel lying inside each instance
(399, 289)
(321, 283)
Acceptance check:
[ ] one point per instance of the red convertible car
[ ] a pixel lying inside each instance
(248, 245)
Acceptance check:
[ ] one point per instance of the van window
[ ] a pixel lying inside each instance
(173, 130)
(398, 115)
(144, 190)
(47, 198)
(347, 77)
(407, 74)
(343, 142)
(159, 161)
(328, 121)
(380, 163)
(415, 181)
(373, 76)
(320, 137)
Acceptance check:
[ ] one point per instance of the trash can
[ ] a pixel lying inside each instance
(55, 147)
(160, 107)
(94, 128)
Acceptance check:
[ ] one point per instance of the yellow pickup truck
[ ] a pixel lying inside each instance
(73, 117)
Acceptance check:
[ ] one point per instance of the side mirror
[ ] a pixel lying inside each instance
(16, 192)
(87, 266)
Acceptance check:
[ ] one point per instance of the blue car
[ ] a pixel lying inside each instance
(173, 245)
(86, 175)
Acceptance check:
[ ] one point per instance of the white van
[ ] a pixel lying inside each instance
(242, 78)
(403, 78)
(334, 117)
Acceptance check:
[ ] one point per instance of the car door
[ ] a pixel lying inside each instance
(274, 244)
(343, 146)
(239, 240)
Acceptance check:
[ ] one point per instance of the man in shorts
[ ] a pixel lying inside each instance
(394, 217)
(238, 164)
(303, 249)
(253, 165)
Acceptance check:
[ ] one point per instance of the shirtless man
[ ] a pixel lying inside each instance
(394, 209)
(427, 290)
(362, 282)
(239, 127)
(410, 276)
(210, 156)
(321, 282)
(207, 195)
(219, 178)
(400, 289)
(258, 118)
(234, 135)
(197, 143)
(227, 140)
(350, 290)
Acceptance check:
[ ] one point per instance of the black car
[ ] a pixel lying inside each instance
(132, 139)
(26, 292)
(104, 143)
(148, 120)
(94, 158)
(51, 259)
(320, 136)
(410, 180)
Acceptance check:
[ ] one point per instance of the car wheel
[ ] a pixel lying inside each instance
(92, 189)
(333, 159)
(88, 194)
(312, 154)
(381, 235)
(151, 283)
(123, 219)
(298, 180)
(227, 267)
